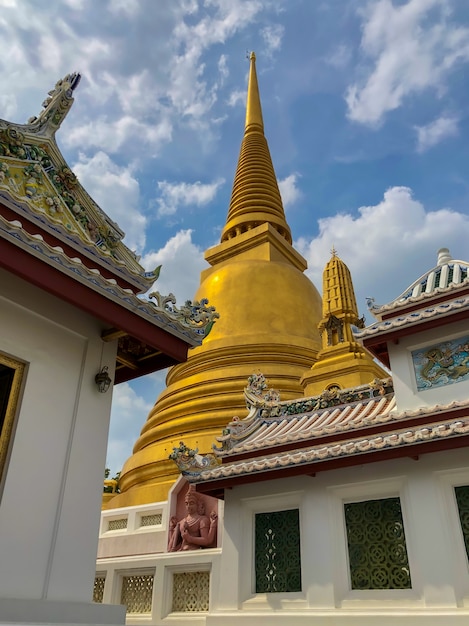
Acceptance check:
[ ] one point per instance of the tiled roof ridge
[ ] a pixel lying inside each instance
(366, 417)
(50, 186)
(352, 447)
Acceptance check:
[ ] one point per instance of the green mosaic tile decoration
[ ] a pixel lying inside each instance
(376, 545)
(277, 551)
(462, 498)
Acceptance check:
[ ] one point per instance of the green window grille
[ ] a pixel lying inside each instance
(376, 545)
(462, 498)
(277, 551)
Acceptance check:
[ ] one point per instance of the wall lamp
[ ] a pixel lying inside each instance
(103, 380)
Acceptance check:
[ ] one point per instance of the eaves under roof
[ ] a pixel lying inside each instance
(151, 335)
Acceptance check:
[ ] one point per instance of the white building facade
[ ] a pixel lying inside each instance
(351, 507)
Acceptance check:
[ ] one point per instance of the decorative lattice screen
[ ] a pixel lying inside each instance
(462, 498)
(277, 551)
(151, 520)
(376, 545)
(117, 524)
(98, 589)
(137, 593)
(191, 591)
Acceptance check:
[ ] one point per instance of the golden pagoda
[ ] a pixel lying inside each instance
(269, 313)
(343, 362)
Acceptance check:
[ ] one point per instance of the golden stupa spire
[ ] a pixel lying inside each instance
(253, 271)
(255, 198)
(342, 362)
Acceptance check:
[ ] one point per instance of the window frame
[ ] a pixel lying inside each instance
(268, 504)
(380, 489)
(12, 411)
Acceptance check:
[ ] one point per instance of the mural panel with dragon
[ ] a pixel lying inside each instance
(442, 364)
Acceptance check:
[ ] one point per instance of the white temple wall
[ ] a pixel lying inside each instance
(435, 546)
(438, 563)
(408, 397)
(52, 484)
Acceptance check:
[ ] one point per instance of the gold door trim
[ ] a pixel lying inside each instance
(12, 405)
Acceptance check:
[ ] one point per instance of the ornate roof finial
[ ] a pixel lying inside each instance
(444, 256)
(333, 251)
(56, 105)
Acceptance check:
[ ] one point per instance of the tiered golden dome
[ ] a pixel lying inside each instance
(269, 313)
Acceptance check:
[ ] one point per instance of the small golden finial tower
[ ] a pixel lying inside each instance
(342, 362)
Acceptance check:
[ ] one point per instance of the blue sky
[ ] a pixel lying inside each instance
(365, 112)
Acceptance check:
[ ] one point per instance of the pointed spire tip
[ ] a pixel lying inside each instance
(253, 103)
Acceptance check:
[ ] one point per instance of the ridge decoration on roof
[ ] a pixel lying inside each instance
(35, 177)
(271, 422)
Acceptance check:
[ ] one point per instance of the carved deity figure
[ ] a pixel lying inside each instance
(195, 530)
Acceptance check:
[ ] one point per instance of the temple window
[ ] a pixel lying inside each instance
(191, 592)
(462, 499)
(11, 376)
(98, 588)
(277, 551)
(137, 592)
(376, 545)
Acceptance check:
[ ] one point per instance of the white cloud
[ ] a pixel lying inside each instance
(8, 106)
(431, 134)
(272, 36)
(176, 195)
(114, 135)
(340, 57)
(412, 47)
(386, 246)
(188, 91)
(182, 262)
(128, 7)
(117, 192)
(223, 67)
(236, 97)
(128, 414)
(289, 190)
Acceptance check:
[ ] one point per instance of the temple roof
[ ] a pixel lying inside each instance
(448, 275)
(414, 318)
(440, 293)
(54, 236)
(338, 428)
(36, 182)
